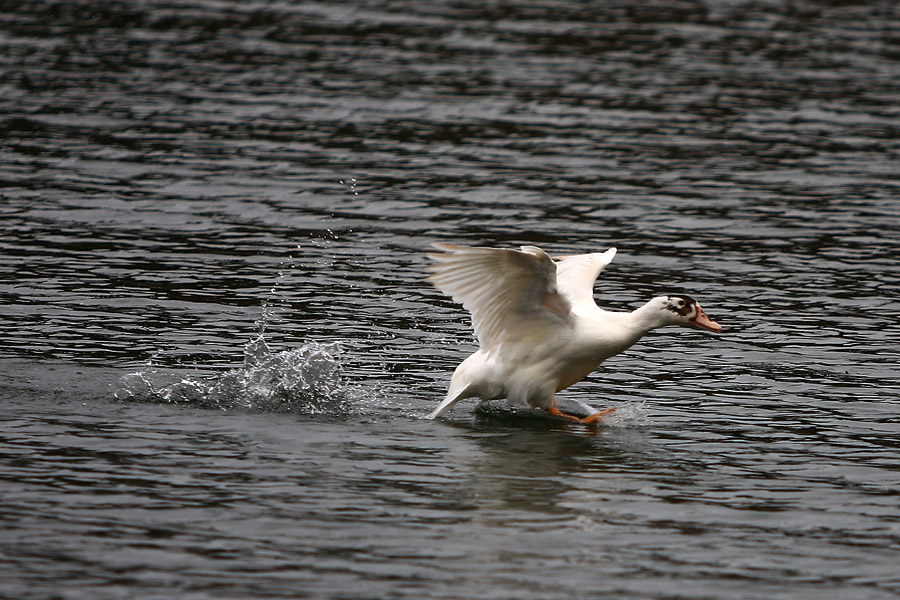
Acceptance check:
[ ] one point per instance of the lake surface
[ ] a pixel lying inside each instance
(217, 344)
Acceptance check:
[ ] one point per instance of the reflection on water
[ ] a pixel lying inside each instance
(176, 178)
(531, 468)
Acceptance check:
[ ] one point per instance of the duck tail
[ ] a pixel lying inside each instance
(453, 396)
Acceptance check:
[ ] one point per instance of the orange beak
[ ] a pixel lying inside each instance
(701, 321)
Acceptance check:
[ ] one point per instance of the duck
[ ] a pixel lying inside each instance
(538, 327)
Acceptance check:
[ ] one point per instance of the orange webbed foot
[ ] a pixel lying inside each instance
(597, 417)
(589, 420)
(558, 413)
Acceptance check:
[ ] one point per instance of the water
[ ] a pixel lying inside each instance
(218, 344)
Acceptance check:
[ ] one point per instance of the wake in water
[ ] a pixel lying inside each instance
(629, 414)
(305, 380)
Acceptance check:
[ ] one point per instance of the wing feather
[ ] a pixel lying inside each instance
(576, 274)
(512, 295)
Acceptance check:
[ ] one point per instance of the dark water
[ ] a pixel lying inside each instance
(178, 177)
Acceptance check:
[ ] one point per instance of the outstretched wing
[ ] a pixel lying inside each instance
(512, 295)
(576, 274)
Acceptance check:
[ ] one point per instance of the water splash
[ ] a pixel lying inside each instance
(304, 380)
(275, 302)
(629, 414)
(351, 186)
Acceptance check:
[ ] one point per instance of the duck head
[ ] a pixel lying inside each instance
(684, 310)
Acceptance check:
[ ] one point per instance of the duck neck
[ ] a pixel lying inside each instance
(645, 318)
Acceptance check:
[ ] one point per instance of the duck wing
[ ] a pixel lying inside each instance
(512, 295)
(576, 274)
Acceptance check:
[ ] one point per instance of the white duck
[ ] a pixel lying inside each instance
(539, 328)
